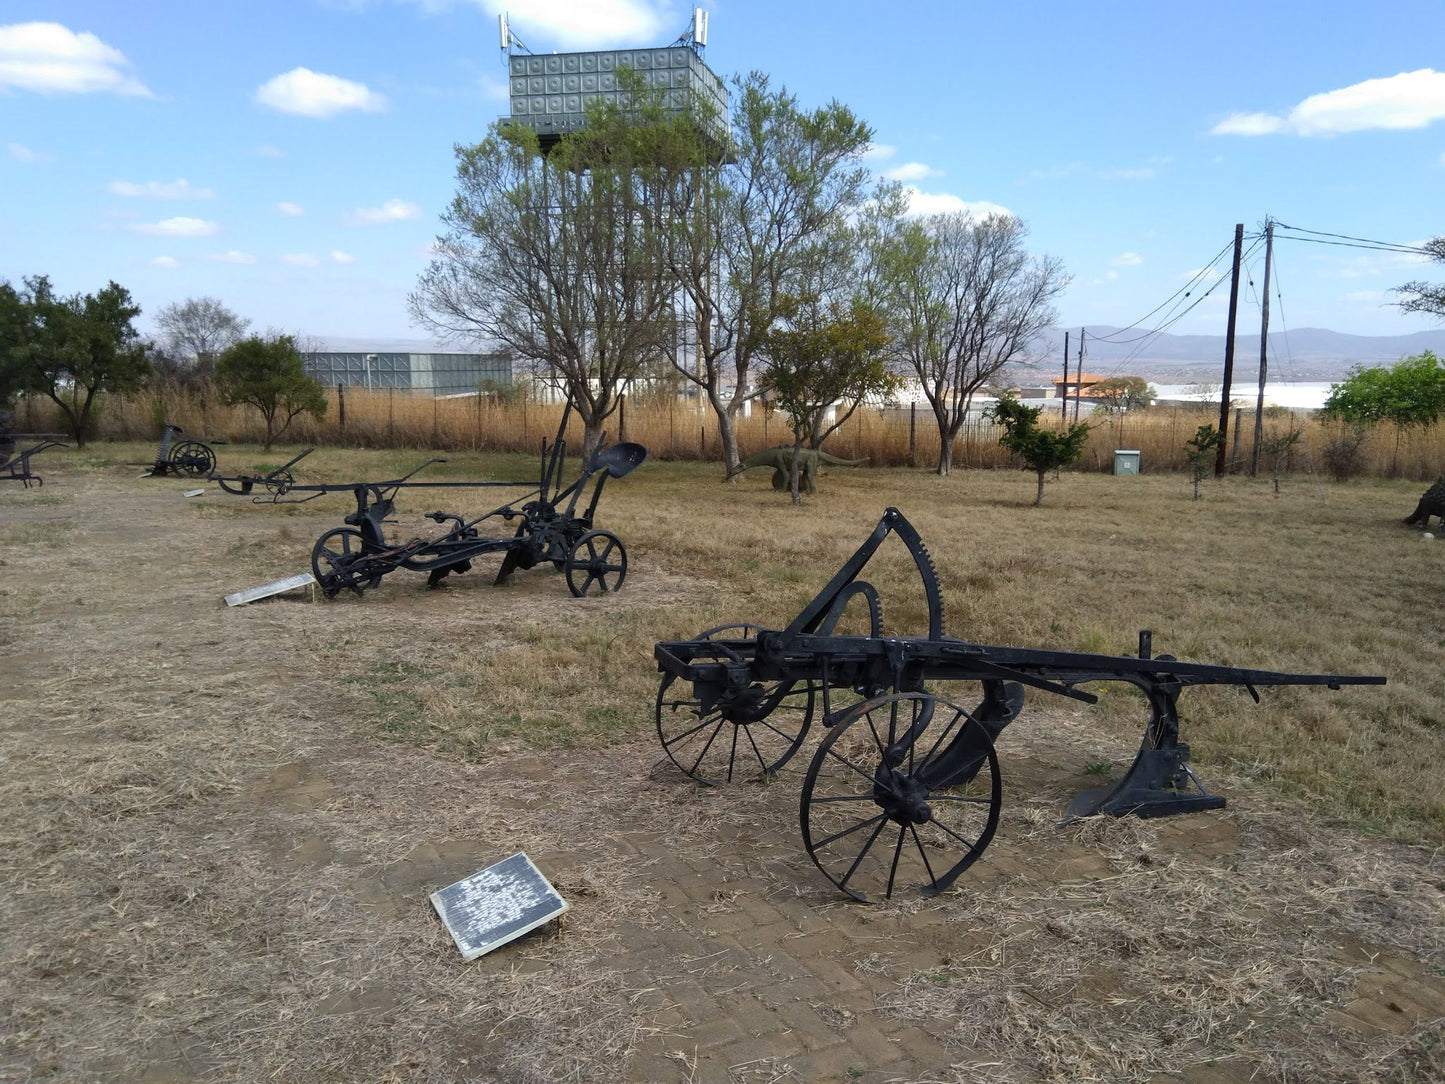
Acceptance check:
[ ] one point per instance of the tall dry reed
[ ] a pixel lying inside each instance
(674, 428)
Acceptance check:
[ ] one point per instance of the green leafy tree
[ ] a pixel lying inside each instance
(13, 329)
(822, 358)
(1200, 450)
(73, 349)
(267, 373)
(1409, 394)
(1042, 450)
(1426, 297)
(1118, 395)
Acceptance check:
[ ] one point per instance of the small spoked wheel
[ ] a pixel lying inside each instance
(192, 457)
(598, 559)
(748, 734)
(339, 562)
(904, 791)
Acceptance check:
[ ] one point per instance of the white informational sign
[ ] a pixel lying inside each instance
(497, 905)
(266, 590)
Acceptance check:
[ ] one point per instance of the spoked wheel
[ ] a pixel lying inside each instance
(192, 457)
(904, 790)
(599, 558)
(749, 734)
(339, 561)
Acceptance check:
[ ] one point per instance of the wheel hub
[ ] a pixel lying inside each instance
(903, 797)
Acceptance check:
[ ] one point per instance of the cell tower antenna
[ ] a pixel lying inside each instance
(509, 40)
(695, 36)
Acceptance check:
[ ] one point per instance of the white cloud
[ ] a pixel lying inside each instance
(300, 259)
(177, 189)
(551, 24)
(393, 210)
(21, 153)
(233, 255)
(1408, 100)
(170, 263)
(177, 227)
(911, 171)
(51, 59)
(338, 256)
(269, 150)
(306, 93)
(289, 209)
(1204, 274)
(879, 152)
(1127, 259)
(939, 203)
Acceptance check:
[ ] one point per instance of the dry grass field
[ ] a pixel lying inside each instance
(219, 827)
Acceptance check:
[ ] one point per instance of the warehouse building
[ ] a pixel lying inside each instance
(438, 373)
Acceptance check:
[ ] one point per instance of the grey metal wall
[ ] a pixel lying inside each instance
(550, 94)
(442, 373)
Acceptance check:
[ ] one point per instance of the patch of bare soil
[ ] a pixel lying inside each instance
(215, 868)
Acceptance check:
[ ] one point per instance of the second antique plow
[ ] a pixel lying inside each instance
(905, 785)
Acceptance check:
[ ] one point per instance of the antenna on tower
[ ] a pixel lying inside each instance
(695, 36)
(509, 40)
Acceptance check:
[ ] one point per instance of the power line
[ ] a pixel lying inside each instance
(1185, 290)
(1363, 242)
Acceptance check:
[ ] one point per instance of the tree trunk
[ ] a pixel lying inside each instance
(793, 470)
(1040, 498)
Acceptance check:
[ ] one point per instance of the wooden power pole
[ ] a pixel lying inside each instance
(1079, 389)
(1064, 415)
(1219, 460)
(1263, 348)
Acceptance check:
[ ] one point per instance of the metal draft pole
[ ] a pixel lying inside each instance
(1219, 459)
(1263, 348)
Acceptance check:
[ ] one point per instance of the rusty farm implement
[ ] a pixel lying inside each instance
(904, 786)
(548, 523)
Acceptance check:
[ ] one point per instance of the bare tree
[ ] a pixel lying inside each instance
(559, 258)
(199, 327)
(740, 234)
(967, 300)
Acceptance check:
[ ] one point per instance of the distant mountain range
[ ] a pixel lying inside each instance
(1309, 353)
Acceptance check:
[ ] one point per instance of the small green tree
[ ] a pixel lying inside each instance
(267, 373)
(1409, 394)
(1200, 450)
(1279, 446)
(72, 349)
(822, 358)
(1041, 450)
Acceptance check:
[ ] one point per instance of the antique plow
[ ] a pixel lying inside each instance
(277, 482)
(17, 467)
(191, 458)
(905, 784)
(551, 528)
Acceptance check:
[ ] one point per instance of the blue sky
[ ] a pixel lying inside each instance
(291, 157)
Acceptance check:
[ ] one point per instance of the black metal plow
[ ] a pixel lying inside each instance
(186, 458)
(904, 788)
(16, 467)
(550, 527)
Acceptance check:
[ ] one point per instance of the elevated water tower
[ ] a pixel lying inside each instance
(550, 92)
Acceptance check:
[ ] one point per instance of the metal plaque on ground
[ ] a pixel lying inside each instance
(497, 905)
(266, 590)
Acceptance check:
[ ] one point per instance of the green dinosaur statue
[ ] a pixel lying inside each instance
(781, 460)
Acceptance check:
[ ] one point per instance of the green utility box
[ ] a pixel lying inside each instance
(1127, 461)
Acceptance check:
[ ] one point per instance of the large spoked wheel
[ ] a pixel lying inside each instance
(749, 734)
(598, 559)
(339, 562)
(193, 458)
(904, 791)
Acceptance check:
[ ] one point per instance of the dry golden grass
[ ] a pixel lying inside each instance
(219, 827)
(686, 430)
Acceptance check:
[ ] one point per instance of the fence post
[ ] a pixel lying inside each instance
(477, 444)
(702, 441)
(913, 434)
(340, 409)
(390, 416)
(435, 430)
